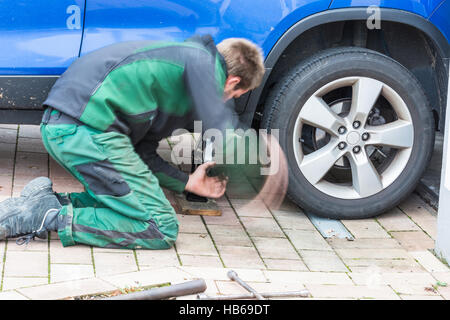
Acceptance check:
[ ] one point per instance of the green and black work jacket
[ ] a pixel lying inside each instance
(146, 90)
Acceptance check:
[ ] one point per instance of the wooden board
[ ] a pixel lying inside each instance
(209, 208)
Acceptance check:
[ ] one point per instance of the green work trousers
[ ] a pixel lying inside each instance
(123, 205)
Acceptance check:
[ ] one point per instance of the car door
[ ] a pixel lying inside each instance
(38, 41)
(39, 37)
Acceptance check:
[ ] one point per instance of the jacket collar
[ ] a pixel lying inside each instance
(208, 42)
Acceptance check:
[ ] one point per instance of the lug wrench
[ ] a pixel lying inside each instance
(252, 293)
(288, 294)
(233, 276)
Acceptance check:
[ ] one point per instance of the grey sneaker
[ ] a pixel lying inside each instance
(32, 214)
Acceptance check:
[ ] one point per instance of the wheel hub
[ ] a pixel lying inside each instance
(353, 138)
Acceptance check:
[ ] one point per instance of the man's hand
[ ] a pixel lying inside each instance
(202, 185)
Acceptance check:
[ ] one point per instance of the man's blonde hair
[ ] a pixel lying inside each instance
(244, 59)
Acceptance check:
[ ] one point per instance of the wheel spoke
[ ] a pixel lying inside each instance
(318, 114)
(365, 93)
(366, 180)
(315, 166)
(398, 134)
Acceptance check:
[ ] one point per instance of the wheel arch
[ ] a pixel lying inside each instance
(253, 102)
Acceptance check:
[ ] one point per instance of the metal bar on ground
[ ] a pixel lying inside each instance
(176, 290)
(267, 295)
(234, 276)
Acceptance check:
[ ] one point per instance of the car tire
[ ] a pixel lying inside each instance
(341, 101)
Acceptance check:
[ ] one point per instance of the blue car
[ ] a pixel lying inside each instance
(357, 88)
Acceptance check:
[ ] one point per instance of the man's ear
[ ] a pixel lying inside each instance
(232, 81)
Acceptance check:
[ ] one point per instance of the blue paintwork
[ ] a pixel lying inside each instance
(39, 42)
(109, 21)
(421, 7)
(34, 37)
(440, 19)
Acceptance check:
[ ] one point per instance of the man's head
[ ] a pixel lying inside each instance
(245, 65)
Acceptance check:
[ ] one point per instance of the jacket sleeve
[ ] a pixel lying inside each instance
(168, 176)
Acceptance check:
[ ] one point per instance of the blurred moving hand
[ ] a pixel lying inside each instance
(201, 184)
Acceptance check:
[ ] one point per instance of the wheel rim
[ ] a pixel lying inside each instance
(354, 135)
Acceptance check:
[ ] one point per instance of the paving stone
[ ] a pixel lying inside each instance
(30, 165)
(110, 250)
(188, 243)
(429, 261)
(67, 185)
(421, 213)
(444, 292)
(275, 248)
(262, 227)
(191, 224)
(30, 131)
(293, 220)
(307, 240)
(383, 265)
(157, 258)
(285, 264)
(442, 277)
(375, 277)
(6, 171)
(223, 202)
(30, 145)
(200, 261)
(8, 126)
(420, 297)
(77, 254)
(230, 288)
(113, 263)
(326, 261)
(12, 295)
(228, 218)
(10, 283)
(396, 220)
(35, 245)
(8, 135)
(148, 277)
(274, 287)
(414, 240)
(218, 274)
(365, 228)
(407, 289)
(352, 291)
(7, 150)
(62, 290)
(240, 257)
(26, 264)
(383, 243)
(68, 272)
(230, 235)
(287, 206)
(308, 277)
(373, 254)
(253, 208)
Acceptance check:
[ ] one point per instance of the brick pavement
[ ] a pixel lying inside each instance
(272, 249)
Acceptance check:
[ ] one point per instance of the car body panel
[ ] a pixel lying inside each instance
(421, 7)
(109, 21)
(440, 18)
(39, 37)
